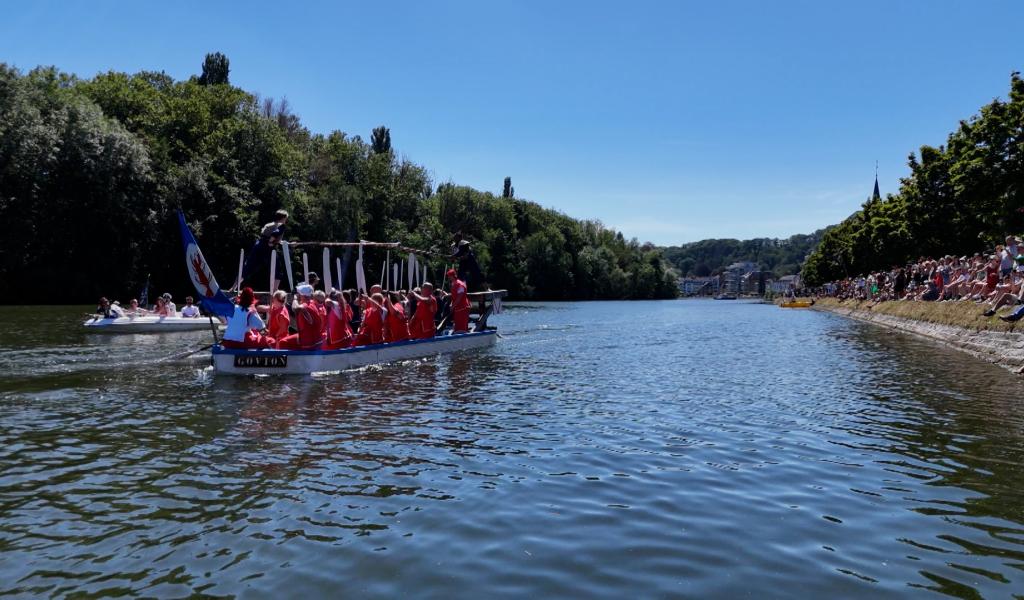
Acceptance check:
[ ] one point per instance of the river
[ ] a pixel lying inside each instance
(611, 449)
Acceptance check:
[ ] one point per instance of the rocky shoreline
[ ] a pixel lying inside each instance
(998, 344)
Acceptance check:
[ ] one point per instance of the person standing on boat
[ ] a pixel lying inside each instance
(245, 325)
(339, 319)
(422, 324)
(257, 264)
(307, 320)
(468, 267)
(396, 325)
(371, 331)
(460, 303)
(189, 311)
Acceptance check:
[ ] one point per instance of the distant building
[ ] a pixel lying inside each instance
(785, 284)
(699, 286)
(736, 278)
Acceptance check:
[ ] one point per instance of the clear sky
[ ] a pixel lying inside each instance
(673, 121)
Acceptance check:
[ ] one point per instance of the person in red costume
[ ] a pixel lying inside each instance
(278, 317)
(307, 320)
(460, 303)
(396, 325)
(421, 327)
(320, 302)
(339, 322)
(372, 329)
(245, 325)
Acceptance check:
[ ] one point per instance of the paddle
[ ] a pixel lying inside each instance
(181, 355)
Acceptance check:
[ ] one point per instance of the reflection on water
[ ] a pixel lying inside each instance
(600, 449)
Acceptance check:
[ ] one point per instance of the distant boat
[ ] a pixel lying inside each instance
(145, 324)
(725, 297)
(797, 304)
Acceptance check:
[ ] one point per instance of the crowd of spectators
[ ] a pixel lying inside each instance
(992, 280)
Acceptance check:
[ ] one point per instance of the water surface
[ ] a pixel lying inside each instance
(680, 448)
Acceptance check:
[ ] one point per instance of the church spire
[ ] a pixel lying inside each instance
(876, 195)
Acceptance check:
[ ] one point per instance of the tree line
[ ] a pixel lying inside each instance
(960, 198)
(93, 170)
(777, 256)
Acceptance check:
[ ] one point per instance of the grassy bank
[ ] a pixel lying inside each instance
(959, 314)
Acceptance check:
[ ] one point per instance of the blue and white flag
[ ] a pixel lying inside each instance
(210, 296)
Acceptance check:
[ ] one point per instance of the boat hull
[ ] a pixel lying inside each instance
(303, 362)
(147, 324)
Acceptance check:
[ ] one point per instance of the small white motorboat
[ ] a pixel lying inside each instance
(145, 324)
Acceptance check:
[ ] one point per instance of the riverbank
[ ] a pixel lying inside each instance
(956, 324)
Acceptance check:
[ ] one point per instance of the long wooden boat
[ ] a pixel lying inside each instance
(145, 324)
(296, 362)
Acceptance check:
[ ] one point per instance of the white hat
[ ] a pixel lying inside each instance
(304, 289)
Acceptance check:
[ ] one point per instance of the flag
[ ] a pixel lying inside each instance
(210, 296)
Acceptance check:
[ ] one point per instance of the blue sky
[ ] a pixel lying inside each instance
(672, 121)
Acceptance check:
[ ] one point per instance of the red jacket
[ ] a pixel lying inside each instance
(460, 297)
(372, 329)
(310, 325)
(397, 329)
(422, 324)
(339, 326)
(278, 320)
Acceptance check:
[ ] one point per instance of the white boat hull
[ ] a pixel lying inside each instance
(146, 324)
(296, 362)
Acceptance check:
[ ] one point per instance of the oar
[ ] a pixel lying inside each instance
(184, 354)
(288, 265)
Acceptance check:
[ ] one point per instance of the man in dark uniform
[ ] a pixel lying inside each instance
(256, 269)
(468, 268)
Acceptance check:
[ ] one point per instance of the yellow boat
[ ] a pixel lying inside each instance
(797, 304)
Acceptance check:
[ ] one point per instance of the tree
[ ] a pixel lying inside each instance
(380, 140)
(508, 191)
(215, 69)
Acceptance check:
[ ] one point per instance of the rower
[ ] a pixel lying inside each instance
(313, 279)
(277, 315)
(307, 319)
(396, 325)
(371, 331)
(320, 301)
(339, 319)
(460, 303)
(245, 325)
(422, 325)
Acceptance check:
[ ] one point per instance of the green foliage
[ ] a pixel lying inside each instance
(91, 172)
(781, 257)
(959, 198)
(215, 69)
(380, 140)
